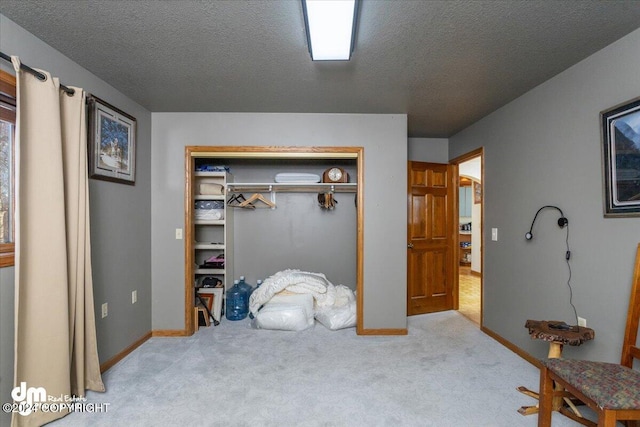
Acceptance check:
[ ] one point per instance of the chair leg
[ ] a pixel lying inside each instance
(546, 398)
(607, 419)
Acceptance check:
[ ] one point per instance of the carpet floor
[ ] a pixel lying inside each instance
(445, 372)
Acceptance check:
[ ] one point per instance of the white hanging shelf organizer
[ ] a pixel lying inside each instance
(290, 187)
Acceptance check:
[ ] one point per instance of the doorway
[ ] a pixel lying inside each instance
(471, 210)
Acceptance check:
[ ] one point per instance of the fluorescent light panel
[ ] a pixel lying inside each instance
(330, 28)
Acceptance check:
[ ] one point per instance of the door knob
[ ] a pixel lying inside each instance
(410, 245)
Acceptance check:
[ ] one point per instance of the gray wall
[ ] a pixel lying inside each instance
(544, 148)
(119, 219)
(432, 150)
(385, 144)
(297, 234)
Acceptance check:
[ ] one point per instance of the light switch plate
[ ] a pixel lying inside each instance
(494, 234)
(178, 233)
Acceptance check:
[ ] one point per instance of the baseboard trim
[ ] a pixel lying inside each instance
(169, 333)
(382, 331)
(476, 273)
(118, 357)
(511, 346)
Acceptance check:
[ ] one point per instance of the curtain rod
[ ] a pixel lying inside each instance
(38, 74)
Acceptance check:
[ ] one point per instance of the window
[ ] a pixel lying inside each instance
(7, 141)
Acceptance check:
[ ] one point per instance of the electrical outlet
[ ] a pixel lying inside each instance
(178, 233)
(582, 322)
(105, 310)
(134, 297)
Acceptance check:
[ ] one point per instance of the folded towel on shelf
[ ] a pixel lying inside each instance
(211, 189)
(299, 178)
(209, 214)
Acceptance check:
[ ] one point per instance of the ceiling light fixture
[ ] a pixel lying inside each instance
(331, 28)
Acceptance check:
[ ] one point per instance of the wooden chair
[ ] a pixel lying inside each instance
(611, 390)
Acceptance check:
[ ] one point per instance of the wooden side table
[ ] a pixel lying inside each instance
(557, 339)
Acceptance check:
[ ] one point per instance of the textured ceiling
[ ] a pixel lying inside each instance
(444, 63)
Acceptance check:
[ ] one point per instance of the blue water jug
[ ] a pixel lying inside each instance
(247, 288)
(237, 302)
(258, 283)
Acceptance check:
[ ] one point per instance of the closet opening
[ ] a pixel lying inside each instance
(289, 225)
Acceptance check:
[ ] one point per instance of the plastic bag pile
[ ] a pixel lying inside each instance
(291, 299)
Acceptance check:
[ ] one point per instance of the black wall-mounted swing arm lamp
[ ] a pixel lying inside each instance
(562, 223)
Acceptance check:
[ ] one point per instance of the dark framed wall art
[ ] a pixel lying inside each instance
(477, 192)
(112, 142)
(621, 159)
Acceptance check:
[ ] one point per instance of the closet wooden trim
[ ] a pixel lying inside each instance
(277, 152)
(360, 244)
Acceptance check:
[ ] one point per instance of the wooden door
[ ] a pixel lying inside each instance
(432, 231)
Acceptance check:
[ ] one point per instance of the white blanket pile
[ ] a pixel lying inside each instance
(334, 306)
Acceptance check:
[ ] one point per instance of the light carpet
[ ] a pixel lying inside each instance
(445, 372)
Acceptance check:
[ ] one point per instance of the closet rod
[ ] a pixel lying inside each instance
(38, 74)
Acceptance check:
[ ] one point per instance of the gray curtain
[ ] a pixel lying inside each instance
(55, 338)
